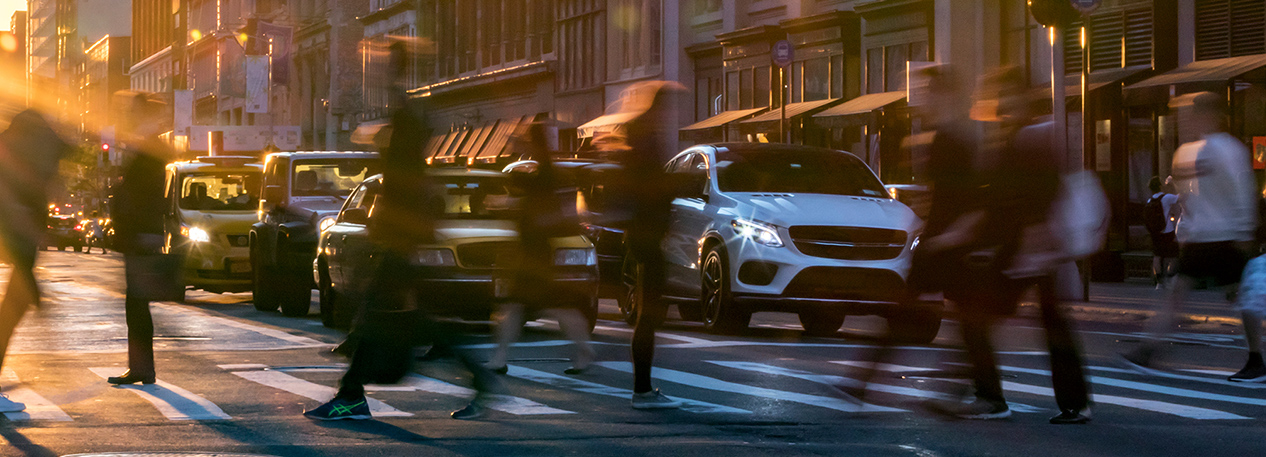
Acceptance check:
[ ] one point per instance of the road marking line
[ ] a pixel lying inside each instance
(270, 332)
(670, 336)
(881, 366)
(303, 388)
(243, 366)
(704, 382)
(1147, 405)
(1161, 374)
(506, 403)
(38, 408)
(578, 385)
(1211, 372)
(832, 380)
(173, 402)
(1174, 391)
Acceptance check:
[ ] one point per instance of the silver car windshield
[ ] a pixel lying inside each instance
(796, 171)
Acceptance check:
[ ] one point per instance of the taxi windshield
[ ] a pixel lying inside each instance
(227, 191)
(330, 177)
(476, 197)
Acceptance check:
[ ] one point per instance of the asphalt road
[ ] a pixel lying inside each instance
(236, 380)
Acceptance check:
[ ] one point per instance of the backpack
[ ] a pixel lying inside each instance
(1154, 215)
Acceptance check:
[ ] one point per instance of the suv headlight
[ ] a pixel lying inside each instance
(572, 257)
(325, 224)
(195, 234)
(434, 258)
(758, 232)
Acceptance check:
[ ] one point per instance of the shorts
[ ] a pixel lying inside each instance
(1165, 245)
(1220, 262)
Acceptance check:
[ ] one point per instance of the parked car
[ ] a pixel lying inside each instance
(211, 203)
(302, 194)
(775, 227)
(63, 231)
(464, 270)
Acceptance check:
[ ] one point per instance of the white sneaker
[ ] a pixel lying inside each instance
(654, 400)
(10, 406)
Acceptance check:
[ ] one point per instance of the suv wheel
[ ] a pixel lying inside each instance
(821, 322)
(631, 298)
(720, 314)
(918, 326)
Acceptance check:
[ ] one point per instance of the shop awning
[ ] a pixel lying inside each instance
(606, 123)
(721, 119)
(495, 147)
(794, 110)
(859, 110)
(1101, 78)
(377, 133)
(452, 141)
(437, 141)
(1206, 71)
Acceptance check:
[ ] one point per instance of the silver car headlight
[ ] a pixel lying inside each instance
(575, 257)
(914, 244)
(434, 258)
(758, 232)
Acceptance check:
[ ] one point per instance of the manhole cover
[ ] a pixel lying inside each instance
(166, 454)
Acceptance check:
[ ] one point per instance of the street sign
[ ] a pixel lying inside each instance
(1086, 6)
(783, 53)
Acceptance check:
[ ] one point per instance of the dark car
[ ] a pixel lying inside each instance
(63, 232)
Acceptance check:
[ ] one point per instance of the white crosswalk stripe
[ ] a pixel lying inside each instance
(505, 403)
(564, 382)
(704, 382)
(312, 390)
(38, 408)
(1146, 387)
(173, 402)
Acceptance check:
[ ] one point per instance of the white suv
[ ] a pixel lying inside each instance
(775, 227)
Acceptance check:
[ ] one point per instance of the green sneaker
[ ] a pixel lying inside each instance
(340, 409)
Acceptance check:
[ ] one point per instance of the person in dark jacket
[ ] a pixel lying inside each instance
(137, 210)
(29, 152)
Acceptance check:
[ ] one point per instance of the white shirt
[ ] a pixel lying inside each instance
(1167, 202)
(1216, 190)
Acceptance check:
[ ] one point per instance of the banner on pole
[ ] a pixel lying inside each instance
(256, 84)
(182, 112)
(279, 37)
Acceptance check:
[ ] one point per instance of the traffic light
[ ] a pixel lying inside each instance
(105, 153)
(1053, 13)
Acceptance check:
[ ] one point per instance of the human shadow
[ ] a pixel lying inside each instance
(20, 442)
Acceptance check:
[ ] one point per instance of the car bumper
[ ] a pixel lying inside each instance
(218, 268)
(474, 294)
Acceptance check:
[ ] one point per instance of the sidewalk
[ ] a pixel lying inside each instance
(1134, 300)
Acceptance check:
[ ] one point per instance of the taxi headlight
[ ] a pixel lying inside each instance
(434, 258)
(573, 257)
(196, 234)
(326, 223)
(758, 232)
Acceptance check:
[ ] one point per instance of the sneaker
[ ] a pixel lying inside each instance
(654, 400)
(10, 406)
(1250, 373)
(340, 409)
(1072, 417)
(975, 410)
(474, 410)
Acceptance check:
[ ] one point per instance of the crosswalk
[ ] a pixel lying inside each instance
(733, 388)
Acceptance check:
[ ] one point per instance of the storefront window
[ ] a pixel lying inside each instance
(837, 76)
(895, 59)
(817, 84)
(874, 70)
(732, 91)
(745, 89)
(761, 78)
(797, 71)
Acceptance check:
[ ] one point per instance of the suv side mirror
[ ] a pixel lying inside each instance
(356, 216)
(273, 196)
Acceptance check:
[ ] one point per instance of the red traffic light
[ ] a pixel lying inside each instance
(105, 146)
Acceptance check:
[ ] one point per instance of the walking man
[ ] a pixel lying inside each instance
(1216, 195)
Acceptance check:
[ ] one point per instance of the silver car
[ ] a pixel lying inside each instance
(774, 227)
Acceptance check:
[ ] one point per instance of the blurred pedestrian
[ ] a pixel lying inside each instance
(395, 312)
(29, 154)
(1160, 223)
(534, 284)
(644, 195)
(138, 208)
(96, 233)
(1213, 177)
(1022, 251)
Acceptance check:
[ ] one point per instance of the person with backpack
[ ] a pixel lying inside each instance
(1157, 217)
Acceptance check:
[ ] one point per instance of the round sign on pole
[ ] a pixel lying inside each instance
(1086, 6)
(783, 53)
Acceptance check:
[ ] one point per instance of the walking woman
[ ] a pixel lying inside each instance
(534, 286)
(138, 214)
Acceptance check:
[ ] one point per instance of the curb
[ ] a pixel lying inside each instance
(1140, 314)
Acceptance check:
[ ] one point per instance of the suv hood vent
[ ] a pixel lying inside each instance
(773, 195)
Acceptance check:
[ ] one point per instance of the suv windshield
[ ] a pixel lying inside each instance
(796, 171)
(225, 191)
(476, 197)
(331, 177)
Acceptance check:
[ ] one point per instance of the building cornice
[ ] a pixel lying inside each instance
(833, 18)
(756, 33)
(528, 70)
(888, 6)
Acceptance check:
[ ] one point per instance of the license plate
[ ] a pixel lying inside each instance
(500, 287)
(239, 267)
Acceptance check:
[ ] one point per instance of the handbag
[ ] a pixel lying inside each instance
(155, 277)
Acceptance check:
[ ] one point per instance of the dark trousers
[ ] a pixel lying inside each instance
(651, 313)
(22, 292)
(389, 294)
(140, 336)
(1072, 393)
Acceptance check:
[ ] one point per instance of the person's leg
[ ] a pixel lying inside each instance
(22, 292)
(1252, 332)
(1067, 374)
(576, 328)
(977, 328)
(1158, 271)
(651, 314)
(1162, 323)
(509, 327)
(140, 337)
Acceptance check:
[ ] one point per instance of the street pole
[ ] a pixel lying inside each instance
(1087, 131)
(783, 132)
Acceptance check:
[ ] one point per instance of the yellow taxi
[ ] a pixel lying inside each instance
(211, 204)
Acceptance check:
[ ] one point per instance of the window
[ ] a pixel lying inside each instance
(330, 177)
(639, 23)
(219, 191)
(817, 75)
(731, 91)
(582, 32)
(1229, 28)
(1118, 38)
(705, 6)
(761, 92)
(886, 66)
(874, 70)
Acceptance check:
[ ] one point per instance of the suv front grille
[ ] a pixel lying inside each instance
(845, 283)
(848, 243)
(483, 255)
